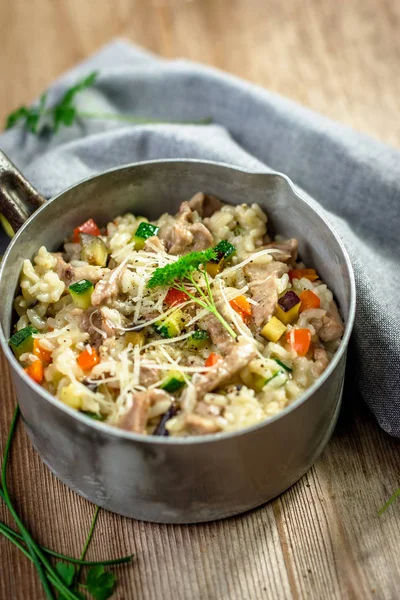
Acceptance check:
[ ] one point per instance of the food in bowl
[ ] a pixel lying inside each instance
(192, 324)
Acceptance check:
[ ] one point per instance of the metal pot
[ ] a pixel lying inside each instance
(167, 480)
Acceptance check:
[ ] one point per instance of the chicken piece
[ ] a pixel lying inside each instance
(287, 250)
(205, 205)
(91, 321)
(69, 274)
(108, 287)
(148, 376)
(321, 361)
(332, 324)
(262, 283)
(153, 242)
(202, 237)
(135, 418)
(238, 357)
(217, 332)
(184, 235)
(208, 410)
(199, 425)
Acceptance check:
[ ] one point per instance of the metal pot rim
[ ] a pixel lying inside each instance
(215, 437)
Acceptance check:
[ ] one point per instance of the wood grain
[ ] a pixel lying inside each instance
(322, 538)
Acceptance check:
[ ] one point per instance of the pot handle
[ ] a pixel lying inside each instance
(18, 198)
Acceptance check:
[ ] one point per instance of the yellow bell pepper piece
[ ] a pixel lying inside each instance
(273, 330)
(213, 268)
(136, 338)
(258, 382)
(69, 396)
(288, 316)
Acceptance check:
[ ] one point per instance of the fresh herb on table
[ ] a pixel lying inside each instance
(62, 576)
(180, 274)
(39, 118)
(389, 502)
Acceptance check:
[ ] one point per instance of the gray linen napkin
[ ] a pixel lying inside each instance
(354, 178)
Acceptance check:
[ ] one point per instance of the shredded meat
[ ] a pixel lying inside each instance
(148, 376)
(69, 274)
(217, 332)
(91, 319)
(184, 235)
(153, 242)
(208, 410)
(287, 250)
(332, 325)
(108, 287)
(136, 417)
(321, 361)
(199, 425)
(205, 205)
(262, 283)
(240, 354)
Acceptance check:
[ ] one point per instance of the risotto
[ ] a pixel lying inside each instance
(192, 324)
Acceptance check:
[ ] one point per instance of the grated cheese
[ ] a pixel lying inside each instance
(252, 258)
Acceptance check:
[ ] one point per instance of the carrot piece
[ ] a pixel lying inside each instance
(88, 358)
(175, 297)
(310, 274)
(88, 226)
(43, 354)
(300, 340)
(242, 306)
(36, 371)
(309, 300)
(212, 359)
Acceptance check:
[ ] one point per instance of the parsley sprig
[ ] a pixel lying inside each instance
(180, 274)
(63, 576)
(39, 118)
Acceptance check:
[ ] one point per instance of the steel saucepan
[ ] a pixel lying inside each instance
(173, 480)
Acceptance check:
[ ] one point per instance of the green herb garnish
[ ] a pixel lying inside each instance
(180, 273)
(39, 118)
(389, 502)
(282, 364)
(62, 577)
(63, 113)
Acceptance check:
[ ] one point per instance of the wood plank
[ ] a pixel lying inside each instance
(322, 538)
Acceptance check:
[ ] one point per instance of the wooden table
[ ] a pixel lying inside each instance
(322, 538)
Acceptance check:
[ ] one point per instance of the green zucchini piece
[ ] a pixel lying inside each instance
(22, 341)
(93, 415)
(224, 251)
(170, 326)
(143, 232)
(81, 293)
(198, 340)
(259, 381)
(173, 382)
(281, 364)
(94, 250)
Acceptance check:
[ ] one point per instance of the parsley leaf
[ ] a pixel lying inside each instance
(16, 116)
(64, 113)
(31, 116)
(100, 583)
(179, 273)
(180, 269)
(66, 572)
